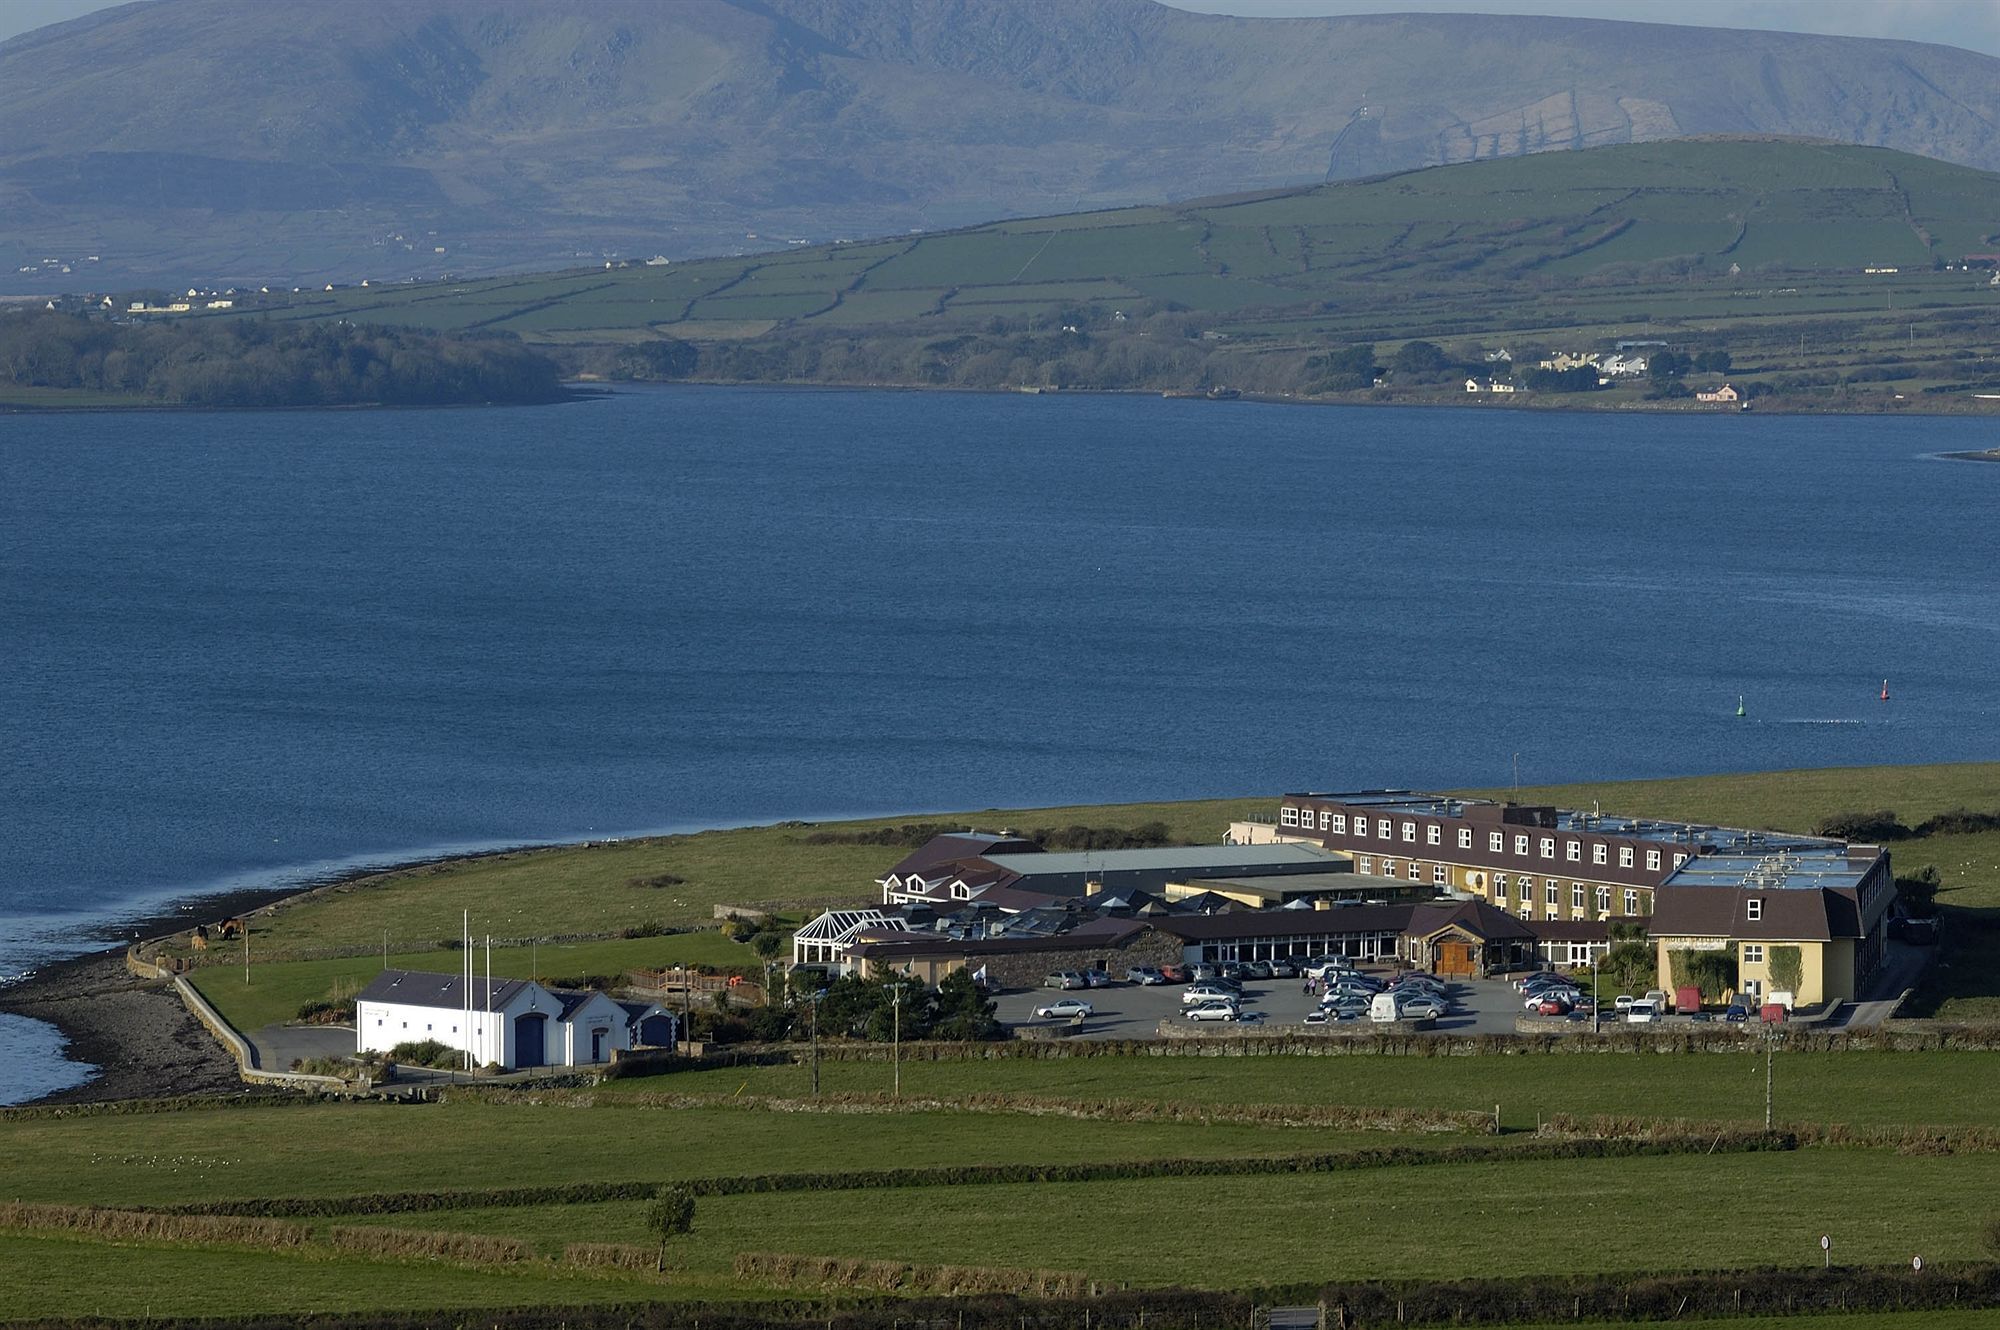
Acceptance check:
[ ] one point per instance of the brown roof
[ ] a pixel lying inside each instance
(1093, 936)
(1814, 914)
(944, 853)
(1286, 923)
(1483, 921)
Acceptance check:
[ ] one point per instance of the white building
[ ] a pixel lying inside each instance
(513, 1022)
(824, 940)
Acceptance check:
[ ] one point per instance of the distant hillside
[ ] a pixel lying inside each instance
(234, 140)
(1822, 260)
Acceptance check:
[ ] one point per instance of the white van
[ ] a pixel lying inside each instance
(1642, 1013)
(1385, 1007)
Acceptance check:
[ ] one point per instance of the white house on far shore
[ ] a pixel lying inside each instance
(513, 1022)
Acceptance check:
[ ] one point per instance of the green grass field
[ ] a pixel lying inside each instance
(1680, 240)
(1861, 1088)
(340, 1149)
(1472, 1220)
(1459, 1219)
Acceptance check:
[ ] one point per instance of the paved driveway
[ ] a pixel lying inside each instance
(278, 1046)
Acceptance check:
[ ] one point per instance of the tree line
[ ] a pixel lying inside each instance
(218, 362)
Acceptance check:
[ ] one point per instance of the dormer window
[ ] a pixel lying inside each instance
(1755, 908)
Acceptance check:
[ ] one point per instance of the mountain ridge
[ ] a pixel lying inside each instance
(221, 139)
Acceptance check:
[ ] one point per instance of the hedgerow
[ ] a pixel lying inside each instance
(154, 1226)
(427, 1244)
(1553, 1147)
(787, 1270)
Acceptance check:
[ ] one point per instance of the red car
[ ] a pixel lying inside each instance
(1174, 974)
(1552, 1007)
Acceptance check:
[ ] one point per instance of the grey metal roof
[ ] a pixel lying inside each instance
(1169, 858)
(424, 988)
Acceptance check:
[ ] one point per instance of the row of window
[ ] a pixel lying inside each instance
(1552, 895)
(1440, 875)
(1384, 828)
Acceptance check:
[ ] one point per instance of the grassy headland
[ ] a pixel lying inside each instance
(580, 900)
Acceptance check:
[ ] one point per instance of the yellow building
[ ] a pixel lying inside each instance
(1811, 923)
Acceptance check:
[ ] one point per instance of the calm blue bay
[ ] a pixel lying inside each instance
(249, 649)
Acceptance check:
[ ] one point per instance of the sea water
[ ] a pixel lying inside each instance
(250, 649)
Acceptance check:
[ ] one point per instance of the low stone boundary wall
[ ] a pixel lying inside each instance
(239, 1047)
(1172, 1029)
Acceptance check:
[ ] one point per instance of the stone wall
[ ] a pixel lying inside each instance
(1027, 969)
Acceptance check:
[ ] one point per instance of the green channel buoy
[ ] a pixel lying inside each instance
(1739, 705)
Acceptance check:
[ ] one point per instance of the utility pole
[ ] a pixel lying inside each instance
(1770, 1043)
(896, 1046)
(815, 1039)
(1596, 998)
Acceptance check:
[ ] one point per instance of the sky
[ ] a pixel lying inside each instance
(1973, 24)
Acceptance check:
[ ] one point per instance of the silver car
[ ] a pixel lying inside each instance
(1214, 1011)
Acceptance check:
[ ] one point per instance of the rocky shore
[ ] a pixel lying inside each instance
(143, 1042)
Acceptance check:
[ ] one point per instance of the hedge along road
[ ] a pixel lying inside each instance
(1862, 1088)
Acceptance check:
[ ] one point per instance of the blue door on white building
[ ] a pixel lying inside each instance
(528, 1040)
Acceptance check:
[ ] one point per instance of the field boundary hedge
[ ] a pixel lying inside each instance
(961, 1175)
(114, 1108)
(786, 1270)
(1894, 1036)
(1632, 1298)
(1335, 1116)
(430, 1245)
(1916, 1140)
(153, 1225)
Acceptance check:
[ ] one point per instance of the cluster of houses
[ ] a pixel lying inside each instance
(1456, 886)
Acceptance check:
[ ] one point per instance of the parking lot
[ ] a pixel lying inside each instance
(1129, 1011)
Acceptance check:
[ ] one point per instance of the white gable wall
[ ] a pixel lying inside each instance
(493, 1036)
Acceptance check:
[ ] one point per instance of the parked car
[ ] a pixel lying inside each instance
(1256, 969)
(1231, 970)
(1569, 997)
(1066, 979)
(1345, 1006)
(1642, 1013)
(1098, 978)
(1195, 994)
(1420, 1008)
(1737, 1013)
(1214, 1011)
(1385, 1007)
(1623, 1002)
(1320, 1017)
(1284, 970)
(1658, 997)
(1144, 974)
(1552, 1007)
(1539, 976)
(1321, 967)
(1065, 1009)
(1174, 974)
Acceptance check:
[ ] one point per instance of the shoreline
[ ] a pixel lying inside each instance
(141, 1039)
(1573, 402)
